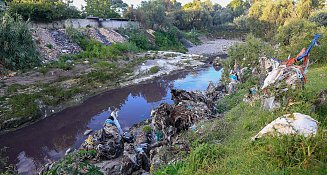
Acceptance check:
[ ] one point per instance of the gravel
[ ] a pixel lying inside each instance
(213, 48)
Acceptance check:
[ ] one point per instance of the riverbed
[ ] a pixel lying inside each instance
(48, 139)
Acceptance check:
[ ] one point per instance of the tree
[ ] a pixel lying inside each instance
(238, 7)
(100, 8)
(305, 7)
(118, 5)
(17, 48)
(276, 12)
(319, 17)
(152, 14)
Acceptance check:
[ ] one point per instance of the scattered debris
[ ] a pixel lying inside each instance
(87, 132)
(270, 103)
(285, 71)
(68, 151)
(290, 124)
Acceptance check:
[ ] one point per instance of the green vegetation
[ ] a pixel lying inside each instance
(102, 8)
(193, 36)
(154, 69)
(157, 14)
(43, 10)
(224, 145)
(169, 40)
(319, 17)
(17, 48)
(247, 54)
(76, 163)
(147, 129)
(296, 34)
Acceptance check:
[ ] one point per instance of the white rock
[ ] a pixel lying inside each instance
(290, 124)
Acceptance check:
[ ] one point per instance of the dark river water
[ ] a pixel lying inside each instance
(48, 139)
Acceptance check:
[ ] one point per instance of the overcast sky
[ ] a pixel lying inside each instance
(78, 3)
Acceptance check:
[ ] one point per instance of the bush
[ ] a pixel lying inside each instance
(154, 69)
(193, 36)
(319, 17)
(43, 11)
(297, 34)
(247, 54)
(17, 49)
(169, 40)
(147, 129)
(78, 162)
(95, 49)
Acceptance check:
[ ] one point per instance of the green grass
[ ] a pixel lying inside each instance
(224, 146)
(76, 163)
(154, 69)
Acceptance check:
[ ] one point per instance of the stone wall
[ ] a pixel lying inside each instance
(82, 23)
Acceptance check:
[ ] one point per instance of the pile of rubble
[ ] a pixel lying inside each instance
(112, 36)
(95, 34)
(53, 43)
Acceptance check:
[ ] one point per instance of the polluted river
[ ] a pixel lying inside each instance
(48, 139)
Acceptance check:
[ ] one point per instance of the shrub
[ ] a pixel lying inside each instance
(193, 36)
(247, 55)
(43, 11)
(154, 69)
(147, 129)
(169, 40)
(76, 163)
(319, 17)
(297, 34)
(17, 49)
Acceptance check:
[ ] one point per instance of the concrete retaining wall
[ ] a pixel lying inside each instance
(82, 23)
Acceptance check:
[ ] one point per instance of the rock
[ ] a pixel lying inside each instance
(290, 124)
(128, 138)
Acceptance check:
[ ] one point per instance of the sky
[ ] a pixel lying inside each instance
(78, 3)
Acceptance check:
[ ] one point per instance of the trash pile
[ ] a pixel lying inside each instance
(53, 43)
(286, 72)
(285, 76)
(63, 42)
(148, 144)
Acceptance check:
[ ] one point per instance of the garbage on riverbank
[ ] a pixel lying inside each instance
(146, 146)
(290, 124)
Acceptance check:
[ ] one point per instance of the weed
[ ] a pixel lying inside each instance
(14, 88)
(154, 69)
(147, 129)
